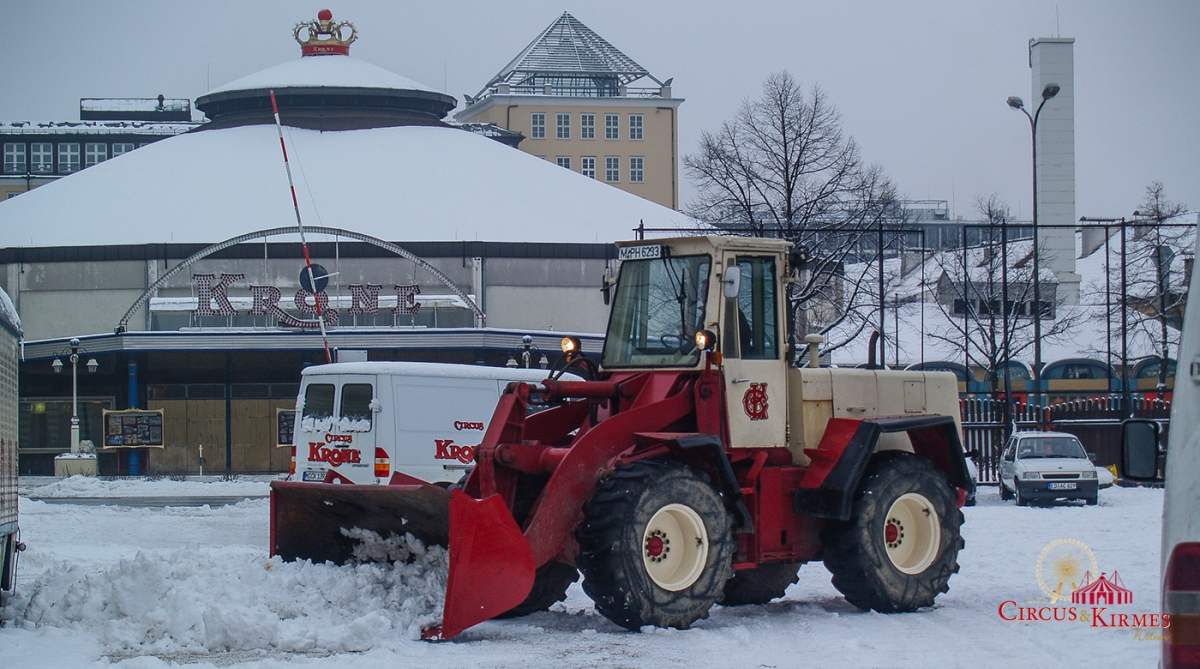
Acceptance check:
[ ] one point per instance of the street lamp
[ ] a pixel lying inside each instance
(57, 366)
(1049, 91)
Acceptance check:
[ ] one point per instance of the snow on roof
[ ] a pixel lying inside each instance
(8, 313)
(321, 71)
(93, 128)
(134, 105)
(411, 183)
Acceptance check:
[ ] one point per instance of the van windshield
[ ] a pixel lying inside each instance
(658, 308)
(1051, 447)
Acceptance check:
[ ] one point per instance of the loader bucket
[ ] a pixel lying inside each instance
(491, 563)
(307, 518)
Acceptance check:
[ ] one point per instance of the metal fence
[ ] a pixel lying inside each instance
(1096, 421)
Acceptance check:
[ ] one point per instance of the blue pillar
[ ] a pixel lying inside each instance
(133, 386)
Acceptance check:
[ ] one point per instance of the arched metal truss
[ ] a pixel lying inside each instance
(275, 232)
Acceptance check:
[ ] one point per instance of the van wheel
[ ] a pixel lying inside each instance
(761, 584)
(900, 546)
(656, 545)
(549, 588)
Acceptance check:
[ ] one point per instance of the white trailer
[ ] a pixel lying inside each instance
(10, 335)
(390, 422)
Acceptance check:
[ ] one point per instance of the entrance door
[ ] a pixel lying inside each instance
(753, 348)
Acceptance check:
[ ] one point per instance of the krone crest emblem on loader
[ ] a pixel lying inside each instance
(755, 401)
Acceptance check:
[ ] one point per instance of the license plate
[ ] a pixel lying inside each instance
(312, 476)
(1062, 485)
(649, 251)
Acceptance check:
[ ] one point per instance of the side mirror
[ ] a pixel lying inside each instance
(1092, 457)
(1139, 451)
(731, 281)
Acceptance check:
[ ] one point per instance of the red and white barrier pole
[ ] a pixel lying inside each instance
(300, 224)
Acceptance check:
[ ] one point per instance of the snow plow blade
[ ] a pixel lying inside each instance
(307, 519)
(491, 564)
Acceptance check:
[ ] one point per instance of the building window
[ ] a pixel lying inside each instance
(563, 126)
(120, 148)
(42, 155)
(635, 126)
(588, 163)
(12, 194)
(612, 169)
(537, 125)
(563, 161)
(94, 152)
(587, 126)
(68, 157)
(637, 169)
(14, 158)
(612, 126)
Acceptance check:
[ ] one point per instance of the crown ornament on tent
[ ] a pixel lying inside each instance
(323, 37)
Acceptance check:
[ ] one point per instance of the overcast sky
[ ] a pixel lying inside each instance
(921, 86)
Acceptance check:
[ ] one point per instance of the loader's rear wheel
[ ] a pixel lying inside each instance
(656, 545)
(549, 588)
(761, 584)
(900, 546)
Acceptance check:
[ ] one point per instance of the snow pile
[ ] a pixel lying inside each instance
(90, 486)
(202, 599)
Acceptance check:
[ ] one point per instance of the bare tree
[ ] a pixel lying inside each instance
(1156, 275)
(783, 168)
(988, 305)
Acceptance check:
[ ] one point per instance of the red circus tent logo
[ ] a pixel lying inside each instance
(1102, 591)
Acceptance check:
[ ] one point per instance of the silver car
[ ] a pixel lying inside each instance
(1047, 466)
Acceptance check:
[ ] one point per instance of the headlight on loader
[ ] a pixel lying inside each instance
(706, 340)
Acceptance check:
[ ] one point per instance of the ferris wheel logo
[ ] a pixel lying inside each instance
(1063, 567)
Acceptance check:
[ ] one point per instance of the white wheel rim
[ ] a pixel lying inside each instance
(674, 547)
(912, 533)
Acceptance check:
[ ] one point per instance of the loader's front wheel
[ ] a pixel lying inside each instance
(549, 588)
(656, 545)
(900, 546)
(760, 584)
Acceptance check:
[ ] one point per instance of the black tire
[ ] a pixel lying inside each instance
(761, 584)
(615, 550)
(549, 588)
(1005, 495)
(856, 551)
(1092, 501)
(1021, 499)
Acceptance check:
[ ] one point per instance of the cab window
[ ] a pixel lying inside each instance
(356, 408)
(757, 328)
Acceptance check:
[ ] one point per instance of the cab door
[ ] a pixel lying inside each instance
(354, 431)
(753, 346)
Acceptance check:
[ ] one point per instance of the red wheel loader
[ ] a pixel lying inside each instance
(694, 467)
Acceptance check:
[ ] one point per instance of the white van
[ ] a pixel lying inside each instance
(388, 422)
(1142, 461)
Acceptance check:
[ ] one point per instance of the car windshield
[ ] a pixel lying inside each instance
(1050, 447)
(658, 308)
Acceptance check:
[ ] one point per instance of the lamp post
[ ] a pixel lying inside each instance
(92, 366)
(1048, 92)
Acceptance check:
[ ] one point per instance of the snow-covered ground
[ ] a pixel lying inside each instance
(144, 588)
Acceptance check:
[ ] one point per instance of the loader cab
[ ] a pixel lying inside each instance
(669, 290)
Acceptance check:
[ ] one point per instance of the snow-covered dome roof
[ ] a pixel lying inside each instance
(322, 71)
(407, 183)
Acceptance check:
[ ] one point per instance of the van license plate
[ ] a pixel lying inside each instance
(1063, 485)
(312, 476)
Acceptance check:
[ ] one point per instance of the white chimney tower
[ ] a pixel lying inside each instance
(1052, 61)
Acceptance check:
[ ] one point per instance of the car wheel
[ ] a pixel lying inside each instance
(1092, 501)
(1021, 500)
(1005, 495)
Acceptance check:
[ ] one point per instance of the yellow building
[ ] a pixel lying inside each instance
(570, 94)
